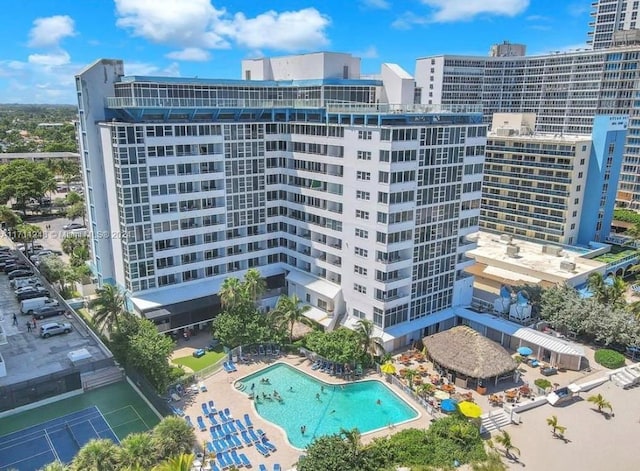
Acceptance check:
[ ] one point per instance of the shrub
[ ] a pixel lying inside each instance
(609, 358)
(542, 383)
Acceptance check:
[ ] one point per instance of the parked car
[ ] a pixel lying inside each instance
(20, 281)
(48, 311)
(29, 306)
(73, 225)
(15, 266)
(54, 328)
(25, 282)
(19, 272)
(40, 254)
(38, 292)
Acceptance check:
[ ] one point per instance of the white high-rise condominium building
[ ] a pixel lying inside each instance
(614, 22)
(337, 187)
(565, 91)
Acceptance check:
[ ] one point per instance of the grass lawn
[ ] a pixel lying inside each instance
(197, 364)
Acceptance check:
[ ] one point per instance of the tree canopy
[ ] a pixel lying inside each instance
(22, 180)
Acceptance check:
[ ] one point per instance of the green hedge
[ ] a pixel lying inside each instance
(609, 358)
(626, 215)
(542, 383)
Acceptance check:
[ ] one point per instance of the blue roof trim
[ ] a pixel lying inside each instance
(252, 83)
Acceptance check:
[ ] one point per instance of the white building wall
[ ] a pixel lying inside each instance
(399, 86)
(310, 66)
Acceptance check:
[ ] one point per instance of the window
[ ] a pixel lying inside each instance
(359, 314)
(359, 288)
(364, 135)
(362, 214)
(364, 155)
(360, 252)
(360, 270)
(366, 176)
(363, 195)
(383, 177)
(362, 233)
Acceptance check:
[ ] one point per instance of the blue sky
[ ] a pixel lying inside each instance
(43, 43)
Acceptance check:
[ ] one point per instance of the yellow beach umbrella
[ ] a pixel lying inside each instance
(470, 409)
(388, 368)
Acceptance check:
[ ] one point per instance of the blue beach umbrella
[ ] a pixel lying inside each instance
(448, 405)
(525, 351)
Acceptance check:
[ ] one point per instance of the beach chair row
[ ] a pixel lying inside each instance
(276, 467)
(226, 460)
(229, 367)
(328, 367)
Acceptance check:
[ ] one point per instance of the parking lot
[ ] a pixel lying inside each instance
(28, 356)
(53, 233)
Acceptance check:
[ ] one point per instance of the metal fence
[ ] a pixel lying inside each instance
(411, 393)
(149, 391)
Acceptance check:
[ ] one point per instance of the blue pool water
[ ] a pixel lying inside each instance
(348, 406)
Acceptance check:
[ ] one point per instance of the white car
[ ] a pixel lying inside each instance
(73, 225)
(24, 289)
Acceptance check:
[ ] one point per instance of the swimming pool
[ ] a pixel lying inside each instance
(348, 406)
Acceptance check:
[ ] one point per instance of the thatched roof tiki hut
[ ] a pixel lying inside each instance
(468, 355)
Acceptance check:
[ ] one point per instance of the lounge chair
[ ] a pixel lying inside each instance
(269, 351)
(223, 460)
(277, 467)
(236, 459)
(254, 436)
(201, 424)
(227, 412)
(232, 426)
(240, 425)
(229, 367)
(210, 447)
(262, 467)
(270, 446)
(214, 466)
(227, 428)
(261, 433)
(205, 409)
(316, 364)
(261, 350)
(177, 411)
(219, 446)
(188, 420)
(223, 417)
(235, 440)
(212, 419)
(212, 406)
(276, 350)
(245, 461)
(245, 438)
(263, 450)
(247, 421)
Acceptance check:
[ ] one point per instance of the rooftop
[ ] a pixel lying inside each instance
(530, 264)
(539, 136)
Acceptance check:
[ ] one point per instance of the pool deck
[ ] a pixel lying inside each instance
(222, 391)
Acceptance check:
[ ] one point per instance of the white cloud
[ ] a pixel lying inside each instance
(48, 32)
(186, 23)
(197, 24)
(146, 68)
(464, 10)
(286, 31)
(369, 53)
(56, 58)
(377, 4)
(194, 54)
(408, 20)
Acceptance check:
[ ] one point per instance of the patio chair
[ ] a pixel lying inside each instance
(254, 437)
(236, 459)
(247, 421)
(212, 418)
(240, 426)
(245, 438)
(245, 461)
(205, 409)
(264, 451)
(270, 446)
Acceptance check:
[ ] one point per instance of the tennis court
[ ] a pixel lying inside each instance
(57, 439)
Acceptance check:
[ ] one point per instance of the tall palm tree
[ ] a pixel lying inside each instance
(288, 311)
(254, 284)
(597, 286)
(97, 455)
(108, 307)
(504, 439)
(557, 429)
(173, 436)
(230, 293)
(181, 462)
(600, 402)
(617, 291)
(138, 449)
(371, 345)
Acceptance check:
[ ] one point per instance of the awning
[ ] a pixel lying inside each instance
(317, 285)
(489, 320)
(318, 315)
(422, 322)
(549, 342)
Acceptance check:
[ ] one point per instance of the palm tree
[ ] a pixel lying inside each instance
(254, 284)
(634, 308)
(288, 311)
(352, 437)
(55, 466)
(425, 389)
(371, 345)
(504, 439)
(138, 449)
(181, 462)
(600, 402)
(108, 307)
(409, 374)
(231, 293)
(557, 429)
(597, 286)
(173, 436)
(97, 455)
